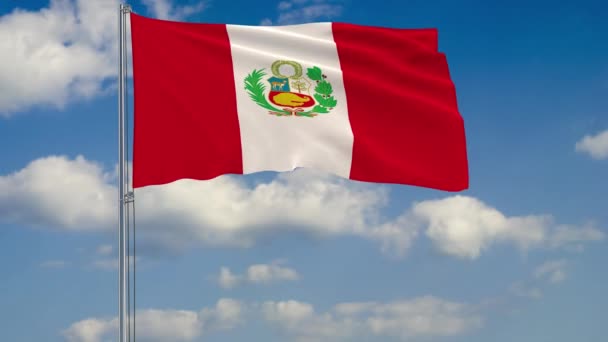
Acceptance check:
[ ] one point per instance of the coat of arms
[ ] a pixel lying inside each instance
(290, 91)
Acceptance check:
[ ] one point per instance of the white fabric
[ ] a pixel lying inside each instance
(283, 143)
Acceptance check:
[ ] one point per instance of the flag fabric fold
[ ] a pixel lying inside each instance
(366, 103)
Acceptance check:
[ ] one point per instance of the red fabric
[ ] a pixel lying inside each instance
(402, 108)
(186, 123)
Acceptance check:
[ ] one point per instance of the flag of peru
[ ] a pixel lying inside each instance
(366, 103)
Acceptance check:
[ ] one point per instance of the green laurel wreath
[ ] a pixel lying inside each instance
(323, 93)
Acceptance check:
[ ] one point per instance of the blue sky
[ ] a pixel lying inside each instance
(304, 256)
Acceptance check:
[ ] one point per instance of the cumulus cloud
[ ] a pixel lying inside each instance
(594, 145)
(90, 330)
(426, 316)
(266, 273)
(227, 279)
(419, 317)
(304, 11)
(233, 213)
(257, 274)
(62, 52)
(77, 194)
(396, 236)
(166, 9)
(58, 192)
(227, 314)
(464, 226)
(162, 325)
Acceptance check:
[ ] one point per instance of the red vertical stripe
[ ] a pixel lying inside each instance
(402, 108)
(186, 123)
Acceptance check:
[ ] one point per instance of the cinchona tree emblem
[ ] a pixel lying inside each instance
(290, 91)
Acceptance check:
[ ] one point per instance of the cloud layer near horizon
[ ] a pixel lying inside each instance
(425, 316)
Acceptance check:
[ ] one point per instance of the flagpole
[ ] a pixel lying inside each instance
(124, 10)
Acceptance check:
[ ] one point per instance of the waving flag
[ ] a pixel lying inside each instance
(366, 103)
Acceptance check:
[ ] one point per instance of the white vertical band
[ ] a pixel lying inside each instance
(282, 143)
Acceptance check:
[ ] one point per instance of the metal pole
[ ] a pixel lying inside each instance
(122, 177)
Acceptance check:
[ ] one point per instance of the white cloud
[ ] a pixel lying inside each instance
(162, 325)
(426, 316)
(304, 11)
(227, 314)
(257, 274)
(465, 226)
(166, 9)
(58, 192)
(553, 271)
(227, 279)
(169, 325)
(89, 330)
(232, 213)
(267, 273)
(76, 194)
(56, 54)
(396, 236)
(287, 311)
(419, 317)
(594, 145)
(301, 323)
(54, 264)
